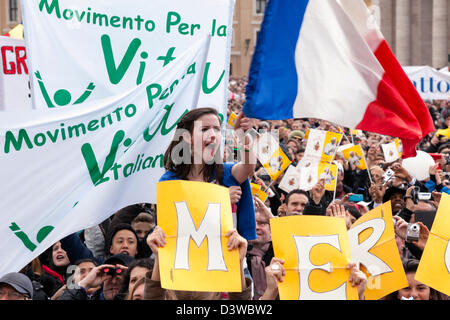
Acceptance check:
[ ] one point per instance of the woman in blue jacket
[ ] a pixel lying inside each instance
(194, 155)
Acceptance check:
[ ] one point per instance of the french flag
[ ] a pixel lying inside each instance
(327, 59)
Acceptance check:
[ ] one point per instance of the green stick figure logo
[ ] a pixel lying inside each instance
(41, 235)
(62, 97)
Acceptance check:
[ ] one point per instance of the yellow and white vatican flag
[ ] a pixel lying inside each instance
(354, 155)
(257, 191)
(271, 156)
(399, 145)
(291, 179)
(310, 175)
(321, 147)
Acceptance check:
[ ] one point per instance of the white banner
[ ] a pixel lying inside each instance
(429, 82)
(67, 169)
(14, 75)
(83, 50)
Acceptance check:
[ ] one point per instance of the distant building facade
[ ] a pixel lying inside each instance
(10, 15)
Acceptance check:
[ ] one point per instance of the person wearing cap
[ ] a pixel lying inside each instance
(109, 276)
(16, 286)
(297, 135)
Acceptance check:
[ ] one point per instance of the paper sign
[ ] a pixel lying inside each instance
(373, 248)
(390, 152)
(232, 119)
(356, 132)
(355, 157)
(443, 133)
(270, 155)
(266, 145)
(329, 174)
(399, 145)
(277, 163)
(258, 192)
(321, 146)
(310, 175)
(434, 267)
(316, 253)
(291, 179)
(195, 216)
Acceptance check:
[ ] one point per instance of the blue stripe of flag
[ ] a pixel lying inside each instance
(273, 82)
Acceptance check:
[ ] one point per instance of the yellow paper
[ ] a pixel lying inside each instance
(256, 191)
(329, 173)
(443, 132)
(434, 267)
(355, 132)
(378, 223)
(277, 163)
(399, 145)
(232, 119)
(355, 156)
(286, 230)
(201, 272)
(331, 144)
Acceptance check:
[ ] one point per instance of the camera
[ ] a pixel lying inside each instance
(387, 176)
(112, 271)
(355, 198)
(416, 195)
(412, 232)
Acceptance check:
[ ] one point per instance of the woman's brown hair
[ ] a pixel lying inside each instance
(182, 170)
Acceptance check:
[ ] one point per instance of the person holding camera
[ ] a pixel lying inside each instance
(412, 235)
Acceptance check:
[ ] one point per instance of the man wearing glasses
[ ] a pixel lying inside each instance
(15, 286)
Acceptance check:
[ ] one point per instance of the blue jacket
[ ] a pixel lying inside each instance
(246, 222)
(431, 185)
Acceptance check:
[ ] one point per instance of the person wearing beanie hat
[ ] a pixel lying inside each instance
(15, 286)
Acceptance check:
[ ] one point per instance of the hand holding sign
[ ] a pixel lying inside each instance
(358, 279)
(274, 274)
(156, 239)
(236, 241)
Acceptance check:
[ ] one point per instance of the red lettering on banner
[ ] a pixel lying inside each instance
(21, 60)
(18, 66)
(12, 69)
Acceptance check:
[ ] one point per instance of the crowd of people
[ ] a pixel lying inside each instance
(118, 259)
